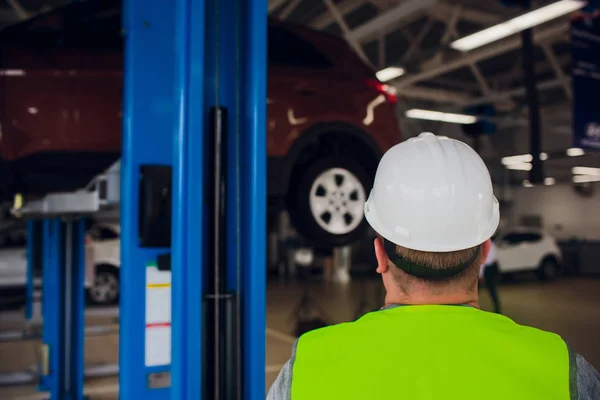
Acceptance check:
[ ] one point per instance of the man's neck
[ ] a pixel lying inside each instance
(423, 298)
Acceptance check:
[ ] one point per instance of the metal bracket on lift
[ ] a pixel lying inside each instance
(103, 192)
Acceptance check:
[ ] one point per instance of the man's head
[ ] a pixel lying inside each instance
(409, 289)
(433, 208)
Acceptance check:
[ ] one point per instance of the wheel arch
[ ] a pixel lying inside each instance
(316, 135)
(107, 266)
(549, 256)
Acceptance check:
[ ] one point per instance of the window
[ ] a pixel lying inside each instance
(532, 237)
(522, 237)
(288, 49)
(102, 233)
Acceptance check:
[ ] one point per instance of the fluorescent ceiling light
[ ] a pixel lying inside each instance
(586, 178)
(549, 181)
(586, 171)
(389, 73)
(523, 158)
(527, 184)
(517, 24)
(574, 152)
(520, 167)
(440, 116)
(12, 72)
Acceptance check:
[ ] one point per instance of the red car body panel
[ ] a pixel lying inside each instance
(62, 101)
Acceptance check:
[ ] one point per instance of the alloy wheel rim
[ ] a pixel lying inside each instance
(337, 200)
(106, 288)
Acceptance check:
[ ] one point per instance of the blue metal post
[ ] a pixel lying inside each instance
(63, 309)
(253, 196)
(148, 116)
(75, 309)
(235, 74)
(31, 246)
(188, 195)
(218, 48)
(53, 308)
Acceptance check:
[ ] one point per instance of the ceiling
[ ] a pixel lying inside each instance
(414, 34)
(440, 78)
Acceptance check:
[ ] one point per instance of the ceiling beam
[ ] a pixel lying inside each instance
(483, 85)
(346, 7)
(455, 83)
(441, 11)
(289, 9)
(506, 78)
(344, 27)
(19, 9)
(558, 70)
(540, 35)
(275, 4)
(495, 97)
(388, 18)
(415, 44)
(436, 95)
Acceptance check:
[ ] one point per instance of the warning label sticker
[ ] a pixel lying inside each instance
(158, 316)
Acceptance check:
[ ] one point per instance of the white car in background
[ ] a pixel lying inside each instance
(106, 246)
(104, 243)
(528, 249)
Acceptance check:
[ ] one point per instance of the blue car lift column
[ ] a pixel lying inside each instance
(63, 271)
(63, 307)
(220, 157)
(146, 161)
(195, 100)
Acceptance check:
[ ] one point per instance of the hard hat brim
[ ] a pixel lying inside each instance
(402, 237)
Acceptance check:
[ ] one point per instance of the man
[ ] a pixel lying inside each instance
(489, 275)
(434, 211)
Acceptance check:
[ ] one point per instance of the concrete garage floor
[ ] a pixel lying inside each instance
(569, 307)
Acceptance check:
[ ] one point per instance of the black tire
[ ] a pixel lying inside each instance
(548, 269)
(299, 206)
(105, 289)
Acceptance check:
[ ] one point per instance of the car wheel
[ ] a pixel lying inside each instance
(105, 290)
(548, 269)
(327, 202)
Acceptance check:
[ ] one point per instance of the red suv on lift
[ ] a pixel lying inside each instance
(329, 118)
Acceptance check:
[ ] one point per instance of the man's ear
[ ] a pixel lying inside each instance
(485, 249)
(381, 255)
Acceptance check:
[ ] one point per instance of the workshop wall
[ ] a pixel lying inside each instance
(564, 212)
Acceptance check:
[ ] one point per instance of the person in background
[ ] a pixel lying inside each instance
(325, 256)
(488, 273)
(434, 211)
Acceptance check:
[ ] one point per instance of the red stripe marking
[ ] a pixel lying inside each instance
(159, 325)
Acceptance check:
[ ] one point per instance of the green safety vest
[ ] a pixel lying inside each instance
(430, 352)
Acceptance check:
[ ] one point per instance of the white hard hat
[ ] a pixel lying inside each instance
(432, 193)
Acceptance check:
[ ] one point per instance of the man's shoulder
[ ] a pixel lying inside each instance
(588, 379)
(324, 333)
